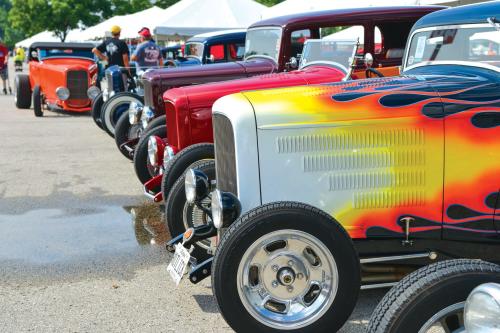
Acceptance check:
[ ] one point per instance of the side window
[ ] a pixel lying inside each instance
(235, 51)
(216, 52)
(298, 38)
(390, 41)
(345, 32)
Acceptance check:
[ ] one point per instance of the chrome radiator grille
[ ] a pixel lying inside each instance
(77, 83)
(225, 162)
(148, 93)
(109, 81)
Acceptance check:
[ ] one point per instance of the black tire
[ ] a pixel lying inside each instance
(279, 216)
(23, 91)
(96, 110)
(425, 292)
(125, 132)
(37, 102)
(177, 211)
(142, 167)
(120, 100)
(158, 121)
(181, 161)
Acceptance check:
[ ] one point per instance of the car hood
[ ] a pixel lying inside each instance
(428, 92)
(65, 64)
(205, 94)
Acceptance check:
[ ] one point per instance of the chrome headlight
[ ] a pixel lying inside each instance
(93, 92)
(196, 185)
(168, 154)
(152, 151)
(62, 93)
(226, 208)
(482, 309)
(146, 116)
(134, 112)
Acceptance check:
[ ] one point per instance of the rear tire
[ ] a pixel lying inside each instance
(23, 91)
(291, 238)
(115, 108)
(181, 161)
(409, 305)
(179, 214)
(37, 102)
(143, 168)
(125, 132)
(96, 110)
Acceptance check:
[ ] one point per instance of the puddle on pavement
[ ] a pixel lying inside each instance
(96, 238)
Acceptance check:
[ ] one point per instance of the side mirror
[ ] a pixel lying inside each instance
(292, 64)
(368, 60)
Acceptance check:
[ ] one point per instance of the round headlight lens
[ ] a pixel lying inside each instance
(217, 209)
(134, 112)
(190, 186)
(146, 116)
(152, 151)
(93, 92)
(62, 93)
(482, 309)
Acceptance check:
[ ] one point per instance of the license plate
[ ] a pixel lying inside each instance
(179, 262)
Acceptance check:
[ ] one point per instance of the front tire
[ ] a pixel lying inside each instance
(180, 215)
(37, 102)
(124, 132)
(96, 110)
(143, 169)
(286, 267)
(115, 107)
(181, 161)
(23, 91)
(432, 295)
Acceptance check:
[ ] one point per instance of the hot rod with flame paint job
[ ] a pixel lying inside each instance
(62, 76)
(350, 184)
(275, 45)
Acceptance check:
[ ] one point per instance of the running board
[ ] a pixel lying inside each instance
(431, 255)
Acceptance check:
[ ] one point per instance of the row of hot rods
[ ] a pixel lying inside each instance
(314, 155)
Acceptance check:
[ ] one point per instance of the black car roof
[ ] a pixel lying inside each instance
(56, 45)
(215, 37)
(469, 14)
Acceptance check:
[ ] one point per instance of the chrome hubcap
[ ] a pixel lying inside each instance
(448, 320)
(287, 279)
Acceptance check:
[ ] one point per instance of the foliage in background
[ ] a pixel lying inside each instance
(22, 18)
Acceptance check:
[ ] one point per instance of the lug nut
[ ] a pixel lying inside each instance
(290, 263)
(290, 289)
(275, 268)
(300, 276)
(274, 284)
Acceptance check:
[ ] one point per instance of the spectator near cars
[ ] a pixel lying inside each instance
(4, 67)
(19, 58)
(148, 54)
(113, 50)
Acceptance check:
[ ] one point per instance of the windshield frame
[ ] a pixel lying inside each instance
(327, 62)
(446, 62)
(60, 56)
(271, 27)
(202, 50)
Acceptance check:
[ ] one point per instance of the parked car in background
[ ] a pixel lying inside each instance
(62, 76)
(461, 295)
(208, 48)
(276, 45)
(330, 179)
(172, 52)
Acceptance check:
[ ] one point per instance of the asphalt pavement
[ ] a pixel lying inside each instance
(80, 247)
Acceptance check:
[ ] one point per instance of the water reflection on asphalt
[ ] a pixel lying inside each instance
(96, 239)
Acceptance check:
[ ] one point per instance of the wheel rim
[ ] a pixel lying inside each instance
(448, 320)
(193, 216)
(287, 279)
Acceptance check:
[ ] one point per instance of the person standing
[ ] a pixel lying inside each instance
(113, 50)
(4, 68)
(147, 54)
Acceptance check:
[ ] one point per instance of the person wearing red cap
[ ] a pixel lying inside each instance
(147, 54)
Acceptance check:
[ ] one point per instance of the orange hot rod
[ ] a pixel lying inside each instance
(62, 77)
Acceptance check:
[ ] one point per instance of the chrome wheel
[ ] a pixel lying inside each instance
(287, 279)
(448, 320)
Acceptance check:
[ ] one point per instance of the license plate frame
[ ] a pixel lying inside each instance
(177, 266)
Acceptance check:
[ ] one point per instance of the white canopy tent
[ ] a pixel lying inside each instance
(353, 33)
(48, 36)
(200, 16)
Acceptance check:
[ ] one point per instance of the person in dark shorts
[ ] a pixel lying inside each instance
(4, 68)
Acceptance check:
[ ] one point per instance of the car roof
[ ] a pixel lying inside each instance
(469, 14)
(330, 16)
(55, 45)
(219, 35)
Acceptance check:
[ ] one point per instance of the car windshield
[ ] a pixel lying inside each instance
(338, 53)
(194, 49)
(479, 43)
(64, 53)
(263, 42)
